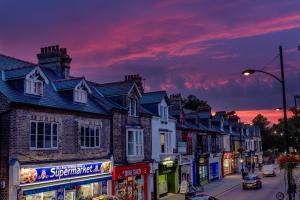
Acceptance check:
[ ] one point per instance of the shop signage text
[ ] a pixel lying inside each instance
(121, 172)
(35, 175)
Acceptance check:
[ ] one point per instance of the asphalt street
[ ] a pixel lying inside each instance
(271, 185)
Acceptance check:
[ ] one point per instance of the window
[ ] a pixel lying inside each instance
(132, 106)
(80, 96)
(163, 112)
(135, 142)
(165, 143)
(33, 86)
(43, 135)
(90, 136)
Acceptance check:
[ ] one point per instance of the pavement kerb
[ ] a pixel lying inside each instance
(227, 190)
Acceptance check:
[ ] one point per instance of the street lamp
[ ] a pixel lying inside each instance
(281, 80)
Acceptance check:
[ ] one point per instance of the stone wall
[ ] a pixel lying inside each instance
(120, 121)
(68, 136)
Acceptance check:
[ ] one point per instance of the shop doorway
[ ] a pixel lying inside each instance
(163, 184)
(131, 188)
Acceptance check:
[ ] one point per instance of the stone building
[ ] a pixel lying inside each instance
(131, 132)
(55, 139)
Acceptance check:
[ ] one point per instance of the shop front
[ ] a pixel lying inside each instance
(185, 171)
(228, 163)
(130, 182)
(214, 167)
(65, 182)
(167, 177)
(202, 168)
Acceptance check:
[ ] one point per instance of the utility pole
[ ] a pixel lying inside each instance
(287, 139)
(297, 97)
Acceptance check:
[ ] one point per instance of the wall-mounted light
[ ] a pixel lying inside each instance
(2, 184)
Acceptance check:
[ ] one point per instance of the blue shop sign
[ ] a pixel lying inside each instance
(54, 173)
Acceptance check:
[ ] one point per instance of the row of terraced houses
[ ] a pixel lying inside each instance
(67, 138)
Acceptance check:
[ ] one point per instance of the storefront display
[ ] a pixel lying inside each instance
(228, 163)
(168, 177)
(130, 182)
(65, 182)
(203, 169)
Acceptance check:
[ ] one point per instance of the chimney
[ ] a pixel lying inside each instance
(176, 101)
(56, 59)
(137, 79)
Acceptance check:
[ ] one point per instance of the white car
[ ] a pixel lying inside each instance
(268, 170)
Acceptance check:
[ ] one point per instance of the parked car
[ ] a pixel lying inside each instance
(268, 170)
(252, 182)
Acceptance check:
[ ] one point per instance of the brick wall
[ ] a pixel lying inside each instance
(120, 121)
(4, 127)
(68, 136)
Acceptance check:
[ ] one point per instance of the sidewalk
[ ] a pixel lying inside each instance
(213, 188)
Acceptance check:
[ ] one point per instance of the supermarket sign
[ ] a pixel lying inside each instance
(56, 173)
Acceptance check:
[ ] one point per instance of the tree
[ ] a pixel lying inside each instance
(231, 115)
(193, 103)
(261, 121)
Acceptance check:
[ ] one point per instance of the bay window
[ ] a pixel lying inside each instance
(43, 135)
(135, 142)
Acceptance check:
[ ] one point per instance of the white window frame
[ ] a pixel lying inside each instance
(90, 127)
(130, 111)
(34, 86)
(138, 142)
(36, 135)
(167, 141)
(80, 96)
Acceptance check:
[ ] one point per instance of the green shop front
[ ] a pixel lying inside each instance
(167, 178)
(78, 181)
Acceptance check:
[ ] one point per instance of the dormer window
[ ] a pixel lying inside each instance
(80, 96)
(132, 107)
(80, 92)
(34, 86)
(34, 82)
(163, 112)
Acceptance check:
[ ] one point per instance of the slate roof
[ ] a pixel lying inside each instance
(153, 97)
(116, 88)
(7, 62)
(67, 84)
(18, 72)
(14, 91)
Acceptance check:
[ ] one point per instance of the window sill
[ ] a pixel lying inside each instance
(43, 149)
(135, 158)
(90, 147)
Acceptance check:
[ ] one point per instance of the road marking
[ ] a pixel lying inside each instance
(227, 190)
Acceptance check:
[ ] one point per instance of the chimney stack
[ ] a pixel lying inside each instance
(56, 59)
(137, 79)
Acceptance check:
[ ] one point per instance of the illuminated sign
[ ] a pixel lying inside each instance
(55, 173)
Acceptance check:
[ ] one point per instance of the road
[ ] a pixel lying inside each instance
(271, 185)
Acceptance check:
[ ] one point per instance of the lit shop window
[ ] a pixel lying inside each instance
(90, 136)
(43, 135)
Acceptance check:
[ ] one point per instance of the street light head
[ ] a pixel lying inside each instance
(278, 109)
(248, 72)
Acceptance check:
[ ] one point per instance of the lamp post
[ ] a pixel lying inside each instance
(282, 82)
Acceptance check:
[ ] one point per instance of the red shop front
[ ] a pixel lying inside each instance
(130, 182)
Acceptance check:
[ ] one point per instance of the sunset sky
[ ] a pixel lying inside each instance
(187, 46)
